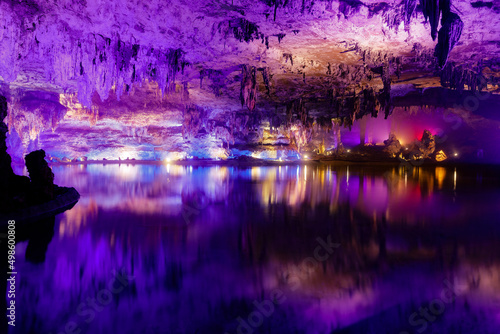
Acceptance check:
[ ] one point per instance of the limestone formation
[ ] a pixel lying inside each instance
(392, 146)
(428, 144)
(113, 79)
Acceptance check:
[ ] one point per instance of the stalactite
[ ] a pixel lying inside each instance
(266, 76)
(350, 7)
(288, 56)
(193, 118)
(276, 4)
(275, 119)
(241, 124)
(217, 77)
(451, 27)
(409, 8)
(386, 93)
(300, 136)
(248, 92)
(423, 56)
(402, 12)
(457, 77)
(449, 34)
(339, 148)
(96, 63)
(30, 113)
(222, 133)
(431, 11)
(370, 104)
(302, 112)
(244, 30)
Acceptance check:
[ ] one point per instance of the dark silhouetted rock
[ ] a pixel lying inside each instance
(6, 172)
(42, 178)
(5, 160)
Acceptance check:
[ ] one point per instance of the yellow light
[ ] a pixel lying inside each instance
(168, 160)
(441, 156)
(348, 151)
(456, 154)
(306, 156)
(440, 176)
(455, 179)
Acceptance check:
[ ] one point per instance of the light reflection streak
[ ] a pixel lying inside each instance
(455, 179)
(162, 191)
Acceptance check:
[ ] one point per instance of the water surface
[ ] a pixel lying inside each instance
(290, 249)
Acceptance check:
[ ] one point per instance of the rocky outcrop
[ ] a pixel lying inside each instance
(427, 144)
(18, 193)
(41, 176)
(392, 146)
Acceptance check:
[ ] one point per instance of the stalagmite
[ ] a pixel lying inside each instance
(392, 145)
(428, 144)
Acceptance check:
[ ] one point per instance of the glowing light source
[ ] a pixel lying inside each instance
(348, 151)
(441, 156)
(455, 154)
(306, 156)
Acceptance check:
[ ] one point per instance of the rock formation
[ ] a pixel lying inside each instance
(428, 144)
(41, 176)
(94, 80)
(6, 173)
(392, 146)
(19, 192)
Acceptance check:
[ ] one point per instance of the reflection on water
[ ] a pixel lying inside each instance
(209, 246)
